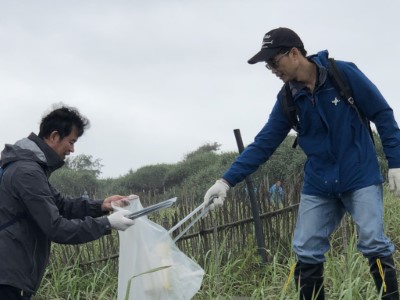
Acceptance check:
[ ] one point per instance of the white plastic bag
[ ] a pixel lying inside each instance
(151, 266)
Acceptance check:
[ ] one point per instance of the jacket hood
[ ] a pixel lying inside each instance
(321, 58)
(31, 148)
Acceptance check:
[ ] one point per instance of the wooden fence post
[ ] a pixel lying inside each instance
(262, 251)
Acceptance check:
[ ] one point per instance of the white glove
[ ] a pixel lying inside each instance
(217, 193)
(118, 221)
(394, 180)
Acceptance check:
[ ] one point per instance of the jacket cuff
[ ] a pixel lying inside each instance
(95, 209)
(105, 224)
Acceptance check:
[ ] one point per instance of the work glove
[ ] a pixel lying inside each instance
(119, 221)
(216, 194)
(394, 180)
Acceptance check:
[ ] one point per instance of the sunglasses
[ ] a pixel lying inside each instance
(274, 63)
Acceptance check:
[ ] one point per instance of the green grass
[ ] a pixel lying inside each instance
(346, 273)
(74, 283)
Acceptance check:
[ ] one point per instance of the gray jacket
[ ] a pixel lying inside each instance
(40, 214)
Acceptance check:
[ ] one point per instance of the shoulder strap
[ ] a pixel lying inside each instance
(340, 85)
(345, 92)
(13, 220)
(290, 109)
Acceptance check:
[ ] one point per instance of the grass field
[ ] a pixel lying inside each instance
(241, 277)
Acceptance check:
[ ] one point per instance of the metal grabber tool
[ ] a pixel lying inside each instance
(152, 208)
(198, 217)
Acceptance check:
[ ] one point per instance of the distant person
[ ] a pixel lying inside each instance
(33, 213)
(341, 173)
(85, 195)
(275, 194)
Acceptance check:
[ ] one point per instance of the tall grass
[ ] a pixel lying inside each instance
(346, 277)
(241, 276)
(91, 283)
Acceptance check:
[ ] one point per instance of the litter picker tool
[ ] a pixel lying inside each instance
(198, 217)
(152, 208)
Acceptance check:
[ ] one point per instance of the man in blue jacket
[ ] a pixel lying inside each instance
(341, 173)
(33, 213)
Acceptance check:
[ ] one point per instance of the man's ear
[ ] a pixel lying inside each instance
(295, 52)
(54, 137)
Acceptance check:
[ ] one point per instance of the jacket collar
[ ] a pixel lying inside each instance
(322, 72)
(53, 160)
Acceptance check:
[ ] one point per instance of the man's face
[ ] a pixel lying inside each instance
(64, 146)
(282, 66)
(274, 62)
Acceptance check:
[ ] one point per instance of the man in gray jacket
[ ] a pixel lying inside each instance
(33, 213)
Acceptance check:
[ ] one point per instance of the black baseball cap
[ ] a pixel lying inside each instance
(274, 41)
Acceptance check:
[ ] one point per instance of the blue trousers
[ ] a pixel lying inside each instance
(318, 218)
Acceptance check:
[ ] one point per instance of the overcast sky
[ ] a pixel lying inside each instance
(160, 78)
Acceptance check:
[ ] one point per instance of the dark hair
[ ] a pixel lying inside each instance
(303, 51)
(63, 120)
(285, 49)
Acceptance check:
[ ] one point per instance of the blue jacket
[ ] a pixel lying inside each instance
(276, 189)
(340, 153)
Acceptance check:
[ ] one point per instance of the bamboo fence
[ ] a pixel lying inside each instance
(226, 231)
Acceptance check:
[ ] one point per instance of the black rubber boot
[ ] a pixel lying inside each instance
(310, 279)
(390, 289)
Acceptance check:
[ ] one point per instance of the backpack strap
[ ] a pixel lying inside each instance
(290, 109)
(343, 89)
(340, 85)
(345, 92)
(14, 220)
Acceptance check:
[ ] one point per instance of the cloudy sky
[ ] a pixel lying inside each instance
(159, 78)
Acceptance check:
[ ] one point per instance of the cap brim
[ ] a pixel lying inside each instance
(264, 55)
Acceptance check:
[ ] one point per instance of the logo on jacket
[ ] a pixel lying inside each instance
(336, 101)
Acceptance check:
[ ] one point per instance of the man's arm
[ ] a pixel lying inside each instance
(265, 143)
(33, 189)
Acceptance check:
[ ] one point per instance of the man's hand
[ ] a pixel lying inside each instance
(216, 194)
(394, 180)
(117, 200)
(119, 221)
